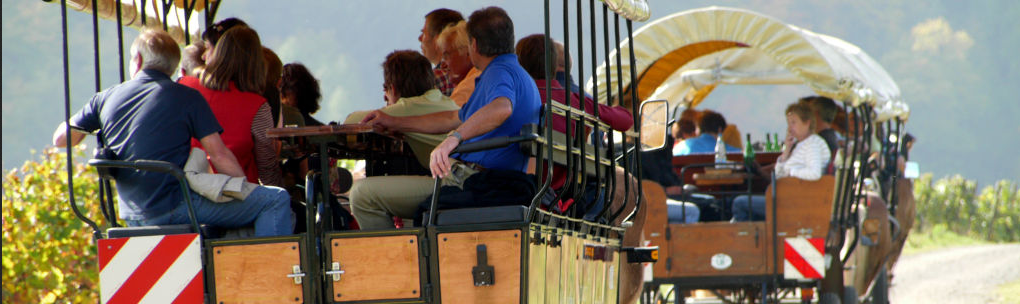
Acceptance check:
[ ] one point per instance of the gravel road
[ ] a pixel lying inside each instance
(955, 275)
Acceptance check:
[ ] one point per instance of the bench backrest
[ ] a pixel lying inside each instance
(803, 208)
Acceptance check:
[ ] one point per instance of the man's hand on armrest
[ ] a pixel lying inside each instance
(220, 156)
(484, 120)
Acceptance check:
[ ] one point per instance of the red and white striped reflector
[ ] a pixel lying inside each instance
(804, 258)
(151, 269)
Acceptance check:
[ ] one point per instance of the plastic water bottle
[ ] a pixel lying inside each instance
(720, 151)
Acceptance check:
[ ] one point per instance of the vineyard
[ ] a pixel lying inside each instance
(991, 214)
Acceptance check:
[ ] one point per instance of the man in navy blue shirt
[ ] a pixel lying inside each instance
(504, 100)
(151, 117)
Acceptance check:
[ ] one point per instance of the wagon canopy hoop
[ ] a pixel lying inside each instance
(683, 52)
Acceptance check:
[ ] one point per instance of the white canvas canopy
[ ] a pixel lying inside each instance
(683, 56)
(177, 22)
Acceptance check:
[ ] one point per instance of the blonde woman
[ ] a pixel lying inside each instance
(804, 156)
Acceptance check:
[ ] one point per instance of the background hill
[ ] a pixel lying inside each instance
(954, 61)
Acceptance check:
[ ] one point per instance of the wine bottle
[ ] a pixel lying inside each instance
(748, 153)
(768, 143)
(778, 144)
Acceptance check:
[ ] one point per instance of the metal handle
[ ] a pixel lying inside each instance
(336, 272)
(297, 275)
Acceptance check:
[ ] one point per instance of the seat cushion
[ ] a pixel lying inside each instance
(486, 215)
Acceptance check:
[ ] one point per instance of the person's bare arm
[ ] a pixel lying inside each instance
(266, 153)
(220, 156)
(60, 136)
(434, 123)
(486, 119)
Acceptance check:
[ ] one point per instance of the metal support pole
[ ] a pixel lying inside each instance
(634, 111)
(96, 233)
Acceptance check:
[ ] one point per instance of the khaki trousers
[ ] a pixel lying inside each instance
(375, 200)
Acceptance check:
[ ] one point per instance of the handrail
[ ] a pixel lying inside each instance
(97, 234)
(589, 119)
(549, 59)
(157, 166)
(481, 145)
(862, 174)
(773, 235)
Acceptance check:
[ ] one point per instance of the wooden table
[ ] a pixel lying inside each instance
(343, 141)
(318, 130)
(732, 178)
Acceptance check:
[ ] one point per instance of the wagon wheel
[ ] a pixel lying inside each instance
(723, 298)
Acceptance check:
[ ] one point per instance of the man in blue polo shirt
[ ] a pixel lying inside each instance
(504, 100)
(710, 127)
(151, 117)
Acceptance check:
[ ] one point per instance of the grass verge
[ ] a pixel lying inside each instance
(936, 237)
(1009, 293)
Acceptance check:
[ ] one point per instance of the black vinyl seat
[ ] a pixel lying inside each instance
(207, 231)
(485, 215)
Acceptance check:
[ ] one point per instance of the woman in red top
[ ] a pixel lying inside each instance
(531, 55)
(232, 83)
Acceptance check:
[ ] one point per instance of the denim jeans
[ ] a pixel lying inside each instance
(749, 208)
(267, 207)
(682, 212)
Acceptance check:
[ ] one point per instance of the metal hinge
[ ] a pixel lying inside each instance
(423, 246)
(335, 272)
(668, 233)
(296, 275)
(669, 263)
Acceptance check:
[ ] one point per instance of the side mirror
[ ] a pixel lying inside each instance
(654, 119)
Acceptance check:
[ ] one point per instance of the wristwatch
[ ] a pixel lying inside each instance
(457, 135)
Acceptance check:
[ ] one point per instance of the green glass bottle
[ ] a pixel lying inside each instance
(778, 144)
(768, 143)
(748, 152)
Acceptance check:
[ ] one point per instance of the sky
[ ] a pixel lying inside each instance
(343, 43)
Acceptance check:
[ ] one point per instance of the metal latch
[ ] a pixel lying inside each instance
(805, 232)
(335, 272)
(297, 274)
(483, 273)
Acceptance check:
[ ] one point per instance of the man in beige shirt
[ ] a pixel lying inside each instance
(410, 91)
